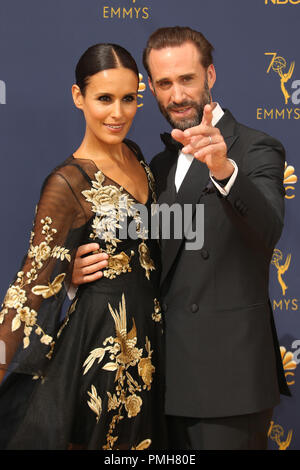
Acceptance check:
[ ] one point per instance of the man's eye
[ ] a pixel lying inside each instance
(164, 84)
(186, 79)
(104, 98)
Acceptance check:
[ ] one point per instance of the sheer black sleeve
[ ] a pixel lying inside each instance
(31, 311)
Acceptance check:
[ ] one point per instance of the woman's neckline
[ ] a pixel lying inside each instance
(140, 160)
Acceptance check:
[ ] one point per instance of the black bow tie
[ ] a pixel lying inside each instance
(170, 143)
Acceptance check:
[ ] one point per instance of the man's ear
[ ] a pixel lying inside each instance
(211, 76)
(151, 86)
(77, 96)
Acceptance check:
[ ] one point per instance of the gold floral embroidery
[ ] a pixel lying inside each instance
(133, 405)
(64, 324)
(156, 316)
(145, 367)
(16, 295)
(51, 289)
(145, 260)
(95, 403)
(142, 445)
(123, 354)
(118, 264)
(112, 206)
(151, 180)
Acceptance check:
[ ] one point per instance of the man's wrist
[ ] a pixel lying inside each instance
(223, 173)
(224, 186)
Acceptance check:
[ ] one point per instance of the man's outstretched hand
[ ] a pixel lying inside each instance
(205, 142)
(88, 268)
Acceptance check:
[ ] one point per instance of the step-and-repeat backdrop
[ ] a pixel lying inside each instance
(257, 59)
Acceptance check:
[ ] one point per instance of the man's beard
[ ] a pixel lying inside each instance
(186, 123)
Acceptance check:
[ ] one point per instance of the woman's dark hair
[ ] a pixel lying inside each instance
(102, 57)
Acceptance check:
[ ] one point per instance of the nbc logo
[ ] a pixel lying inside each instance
(141, 89)
(289, 179)
(289, 364)
(282, 2)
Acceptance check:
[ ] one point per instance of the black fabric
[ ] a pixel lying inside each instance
(98, 384)
(246, 432)
(222, 353)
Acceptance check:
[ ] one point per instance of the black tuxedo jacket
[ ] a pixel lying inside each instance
(222, 352)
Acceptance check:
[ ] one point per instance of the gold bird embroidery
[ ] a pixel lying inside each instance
(127, 341)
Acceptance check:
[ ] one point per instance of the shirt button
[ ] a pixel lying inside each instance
(194, 308)
(204, 254)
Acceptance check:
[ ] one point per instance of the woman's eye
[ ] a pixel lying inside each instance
(129, 98)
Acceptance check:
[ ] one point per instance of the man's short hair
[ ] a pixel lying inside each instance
(176, 36)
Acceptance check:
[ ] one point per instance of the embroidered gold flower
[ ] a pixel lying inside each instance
(15, 297)
(118, 264)
(40, 252)
(133, 405)
(27, 315)
(46, 339)
(113, 402)
(103, 198)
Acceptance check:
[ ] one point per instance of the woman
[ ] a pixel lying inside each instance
(94, 380)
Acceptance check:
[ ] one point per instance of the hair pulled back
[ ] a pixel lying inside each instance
(101, 57)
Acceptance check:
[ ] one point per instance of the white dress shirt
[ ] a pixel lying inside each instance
(185, 160)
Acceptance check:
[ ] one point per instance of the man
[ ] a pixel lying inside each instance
(224, 372)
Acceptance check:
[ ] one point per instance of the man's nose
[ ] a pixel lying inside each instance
(178, 93)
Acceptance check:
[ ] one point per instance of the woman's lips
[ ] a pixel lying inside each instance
(115, 127)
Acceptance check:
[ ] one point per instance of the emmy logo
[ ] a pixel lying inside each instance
(289, 179)
(276, 433)
(278, 65)
(281, 268)
(141, 89)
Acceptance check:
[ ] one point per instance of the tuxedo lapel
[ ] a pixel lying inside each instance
(190, 191)
(226, 125)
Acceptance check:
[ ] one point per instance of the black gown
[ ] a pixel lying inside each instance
(94, 378)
